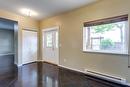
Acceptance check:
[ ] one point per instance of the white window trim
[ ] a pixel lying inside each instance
(106, 52)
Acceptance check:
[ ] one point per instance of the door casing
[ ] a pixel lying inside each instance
(43, 31)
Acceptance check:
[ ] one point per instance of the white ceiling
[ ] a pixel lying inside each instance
(44, 8)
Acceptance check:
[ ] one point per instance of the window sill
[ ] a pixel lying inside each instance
(106, 52)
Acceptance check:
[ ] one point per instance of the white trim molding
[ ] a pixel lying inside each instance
(51, 28)
(39, 60)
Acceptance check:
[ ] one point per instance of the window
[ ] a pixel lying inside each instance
(49, 40)
(107, 35)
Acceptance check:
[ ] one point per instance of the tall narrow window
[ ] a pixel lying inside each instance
(107, 35)
(49, 39)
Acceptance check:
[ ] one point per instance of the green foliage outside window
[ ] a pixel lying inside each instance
(103, 28)
(107, 43)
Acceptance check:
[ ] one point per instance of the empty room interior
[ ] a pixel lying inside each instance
(64, 43)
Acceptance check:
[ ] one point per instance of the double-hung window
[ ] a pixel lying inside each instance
(110, 35)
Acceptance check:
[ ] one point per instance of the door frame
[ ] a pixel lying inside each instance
(57, 28)
(32, 30)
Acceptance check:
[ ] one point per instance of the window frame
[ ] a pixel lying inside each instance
(101, 22)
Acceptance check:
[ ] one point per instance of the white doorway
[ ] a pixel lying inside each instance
(51, 45)
(29, 46)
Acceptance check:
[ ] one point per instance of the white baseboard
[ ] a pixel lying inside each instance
(39, 60)
(19, 65)
(72, 69)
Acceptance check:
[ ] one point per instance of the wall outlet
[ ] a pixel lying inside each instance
(64, 60)
(128, 66)
(85, 70)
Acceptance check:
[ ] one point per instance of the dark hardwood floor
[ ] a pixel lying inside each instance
(47, 75)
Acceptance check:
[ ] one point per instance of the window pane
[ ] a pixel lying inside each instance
(49, 38)
(109, 37)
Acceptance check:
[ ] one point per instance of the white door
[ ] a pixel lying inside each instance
(29, 46)
(50, 45)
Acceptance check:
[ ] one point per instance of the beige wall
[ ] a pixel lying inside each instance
(71, 25)
(23, 22)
